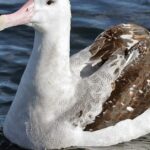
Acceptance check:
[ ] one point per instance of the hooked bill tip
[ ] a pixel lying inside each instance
(2, 22)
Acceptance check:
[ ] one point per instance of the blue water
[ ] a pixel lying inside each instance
(90, 17)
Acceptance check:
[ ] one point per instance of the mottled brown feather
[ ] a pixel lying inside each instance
(110, 41)
(132, 89)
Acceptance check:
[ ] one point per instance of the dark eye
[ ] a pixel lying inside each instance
(49, 2)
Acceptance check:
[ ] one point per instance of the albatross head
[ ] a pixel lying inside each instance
(43, 15)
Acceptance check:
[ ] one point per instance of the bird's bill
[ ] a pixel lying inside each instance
(20, 17)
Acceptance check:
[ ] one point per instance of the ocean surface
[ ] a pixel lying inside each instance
(89, 18)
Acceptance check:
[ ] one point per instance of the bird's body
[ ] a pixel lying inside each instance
(63, 101)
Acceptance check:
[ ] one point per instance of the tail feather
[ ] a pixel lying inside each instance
(122, 132)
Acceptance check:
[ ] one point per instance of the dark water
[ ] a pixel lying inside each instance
(90, 17)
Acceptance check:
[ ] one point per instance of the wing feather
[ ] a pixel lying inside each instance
(105, 70)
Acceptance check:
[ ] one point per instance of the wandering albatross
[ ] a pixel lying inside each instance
(97, 97)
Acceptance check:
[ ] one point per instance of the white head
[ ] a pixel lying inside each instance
(43, 15)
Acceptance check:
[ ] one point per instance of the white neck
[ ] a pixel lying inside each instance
(51, 53)
(49, 66)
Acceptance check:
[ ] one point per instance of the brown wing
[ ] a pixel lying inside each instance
(123, 37)
(131, 95)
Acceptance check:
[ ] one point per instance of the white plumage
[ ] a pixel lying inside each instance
(59, 96)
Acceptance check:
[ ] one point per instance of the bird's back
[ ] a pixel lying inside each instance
(127, 90)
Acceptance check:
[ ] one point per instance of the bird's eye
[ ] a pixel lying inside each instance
(49, 2)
